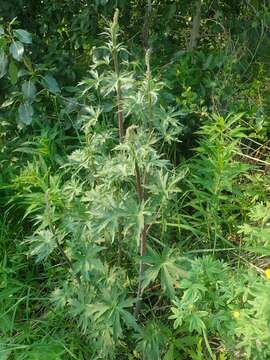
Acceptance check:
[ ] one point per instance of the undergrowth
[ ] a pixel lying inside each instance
(135, 209)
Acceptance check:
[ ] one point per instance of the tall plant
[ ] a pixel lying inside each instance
(117, 189)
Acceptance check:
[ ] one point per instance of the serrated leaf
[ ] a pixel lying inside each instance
(13, 72)
(29, 90)
(51, 84)
(23, 35)
(164, 265)
(17, 49)
(130, 320)
(97, 310)
(3, 64)
(150, 276)
(42, 244)
(26, 113)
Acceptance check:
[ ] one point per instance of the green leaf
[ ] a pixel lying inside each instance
(5, 354)
(42, 244)
(150, 275)
(51, 84)
(46, 351)
(7, 103)
(130, 320)
(17, 49)
(164, 265)
(170, 353)
(3, 64)
(22, 73)
(26, 113)
(196, 323)
(1, 31)
(23, 35)
(260, 250)
(167, 279)
(97, 310)
(13, 72)
(29, 90)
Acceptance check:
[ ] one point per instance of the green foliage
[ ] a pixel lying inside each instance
(151, 340)
(165, 265)
(214, 186)
(255, 233)
(134, 182)
(254, 324)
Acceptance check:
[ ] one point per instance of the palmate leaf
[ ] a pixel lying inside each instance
(151, 340)
(97, 310)
(134, 217)
(167, 124)
(183, 313)
(166, 184)
(167, 267)
(196, 323)
(112, 311)
(86, 260)
(107, 213)
(107, 219)
(42, 244)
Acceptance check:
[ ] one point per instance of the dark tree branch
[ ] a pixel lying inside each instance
(146, 25)
(195, 31)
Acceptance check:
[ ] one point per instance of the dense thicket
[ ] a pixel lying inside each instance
(134, 179)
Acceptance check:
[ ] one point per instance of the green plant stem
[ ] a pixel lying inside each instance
(140, 192)
(143, 240)
(117, 72)
(139, 183)
(208, 346)
(119, 99)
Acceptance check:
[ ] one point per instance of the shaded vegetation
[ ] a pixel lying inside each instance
(134, 180)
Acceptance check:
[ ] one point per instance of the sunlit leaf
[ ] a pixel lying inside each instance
(29, 90)
(51, 84)
(3, 64)
(26, 113)
(23, 35)
(17, 49)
